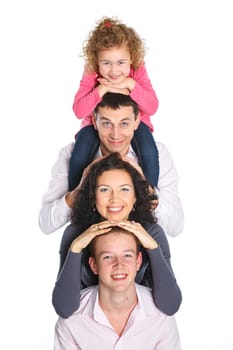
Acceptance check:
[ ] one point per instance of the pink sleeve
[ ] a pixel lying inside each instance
(143, 93)
(87, 96)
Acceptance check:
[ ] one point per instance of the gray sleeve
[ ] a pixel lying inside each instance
(66, 293)
(166, 292)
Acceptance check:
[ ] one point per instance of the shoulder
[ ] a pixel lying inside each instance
(65, 152)
(87, 299)
(70, 233)
(161, 147)
(140, 70)
(155, 230)
(145, 299)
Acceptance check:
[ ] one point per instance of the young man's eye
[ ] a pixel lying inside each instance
(107, 257)
(128, 256)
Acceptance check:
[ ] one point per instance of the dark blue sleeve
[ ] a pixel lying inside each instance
(84, 150)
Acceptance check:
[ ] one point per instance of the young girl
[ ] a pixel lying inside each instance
(114, 55)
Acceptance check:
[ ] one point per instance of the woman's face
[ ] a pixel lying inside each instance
(115, 195)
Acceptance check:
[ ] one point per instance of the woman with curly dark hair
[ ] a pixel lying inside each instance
(114, 193)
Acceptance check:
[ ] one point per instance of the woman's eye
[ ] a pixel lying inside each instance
(104, 189)
(125, 189)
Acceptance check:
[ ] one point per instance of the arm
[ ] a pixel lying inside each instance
(66, 293)
(55, 211)
(166, 293)
(74, 269)
(87, 96)
(143, 92)
(169, 210)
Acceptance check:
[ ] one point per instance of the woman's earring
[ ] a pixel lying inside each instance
(93, 207)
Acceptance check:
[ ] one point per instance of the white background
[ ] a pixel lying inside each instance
(190, 62)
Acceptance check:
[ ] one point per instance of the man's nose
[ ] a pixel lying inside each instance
(118, 262)
(115, 133)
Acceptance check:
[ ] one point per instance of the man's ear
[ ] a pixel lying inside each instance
(139, 260)
(137, 122)
(94, 121)
(93, 265)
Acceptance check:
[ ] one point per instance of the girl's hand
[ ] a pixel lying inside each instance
(146, 240)
(125, 84)
(87, 236)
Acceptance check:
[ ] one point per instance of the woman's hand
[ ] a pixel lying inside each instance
(87, 236)
(142, 235)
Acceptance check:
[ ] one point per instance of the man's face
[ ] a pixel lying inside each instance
(116, 261)
(115, 128)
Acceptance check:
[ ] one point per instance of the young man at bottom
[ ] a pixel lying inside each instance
(118, 313)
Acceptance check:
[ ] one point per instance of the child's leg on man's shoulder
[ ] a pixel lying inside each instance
(85, 148)
(147, 151)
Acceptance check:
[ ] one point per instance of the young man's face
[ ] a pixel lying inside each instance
(116, 261)
(115, 128)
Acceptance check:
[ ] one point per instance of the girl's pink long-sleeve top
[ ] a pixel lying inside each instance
(143, 94)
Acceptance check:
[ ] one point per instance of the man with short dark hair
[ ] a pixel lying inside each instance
(115, 120)
(117, 313)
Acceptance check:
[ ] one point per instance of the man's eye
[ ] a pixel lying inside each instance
(107, 257)
(128, 256)
(124, 125)
(106, 124)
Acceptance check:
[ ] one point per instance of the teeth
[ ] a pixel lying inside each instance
(115, 208)
(119, 276)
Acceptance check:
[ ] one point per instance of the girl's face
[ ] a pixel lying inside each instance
(115, 195)
(114, 63)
